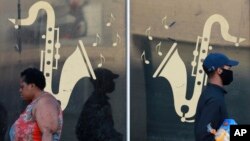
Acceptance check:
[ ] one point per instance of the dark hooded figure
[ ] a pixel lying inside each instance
(96, 122)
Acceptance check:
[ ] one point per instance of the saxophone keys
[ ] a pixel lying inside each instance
(193, 63)
(195, 53)
(57, 56)
(43, 36)
(57, 45)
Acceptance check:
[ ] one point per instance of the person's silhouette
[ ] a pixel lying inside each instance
(3, 122)
(96, 122)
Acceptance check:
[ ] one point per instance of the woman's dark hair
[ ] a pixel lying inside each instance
(33, 75)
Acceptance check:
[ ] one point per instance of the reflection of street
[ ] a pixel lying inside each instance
(80, 24)
(69, 17)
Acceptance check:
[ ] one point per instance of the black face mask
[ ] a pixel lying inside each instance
(226, 76)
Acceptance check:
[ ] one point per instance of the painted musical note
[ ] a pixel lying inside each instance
(148, 32)
(102, 59)
(110, 20)
(164, 22)
(158, 49)
(97, 40)
(117, 40)
(172, 23)
(143, 57)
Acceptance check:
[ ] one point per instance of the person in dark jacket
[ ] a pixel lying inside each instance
(211, 108)
(95, 122)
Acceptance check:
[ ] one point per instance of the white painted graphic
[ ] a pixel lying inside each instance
(148, 33)
(76, 66)
(117, 40)
(102, 60)
(164, 22)
(97, 40)
(110, 20)
(143, 57)
(158, 49)
(173, 68)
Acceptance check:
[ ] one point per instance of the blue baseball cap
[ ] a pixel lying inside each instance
(217, 60)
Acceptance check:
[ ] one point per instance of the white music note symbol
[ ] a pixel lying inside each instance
(102, 59)
(117, 40)
(110, 20)
(97, 40)
(148, 30)
(16, 26)
(143, 57)
(158, 49)
(164, 22)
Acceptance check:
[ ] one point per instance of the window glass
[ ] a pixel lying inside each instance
(169, 41)
(71, 41)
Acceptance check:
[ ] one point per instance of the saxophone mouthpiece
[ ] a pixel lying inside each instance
(13, 21)
(239, 41)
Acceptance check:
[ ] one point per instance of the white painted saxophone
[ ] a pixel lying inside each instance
(173, 69)
(75, 67)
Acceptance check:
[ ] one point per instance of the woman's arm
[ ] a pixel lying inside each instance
(46, 115)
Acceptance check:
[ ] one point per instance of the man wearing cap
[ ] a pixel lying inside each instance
(211, 108)
(96, 121)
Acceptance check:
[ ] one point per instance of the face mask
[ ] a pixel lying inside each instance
(226, 76)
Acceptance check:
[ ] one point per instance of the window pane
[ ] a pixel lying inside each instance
(166, 67)
(76, 43)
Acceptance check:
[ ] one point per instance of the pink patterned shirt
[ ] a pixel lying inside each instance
(26, 128)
